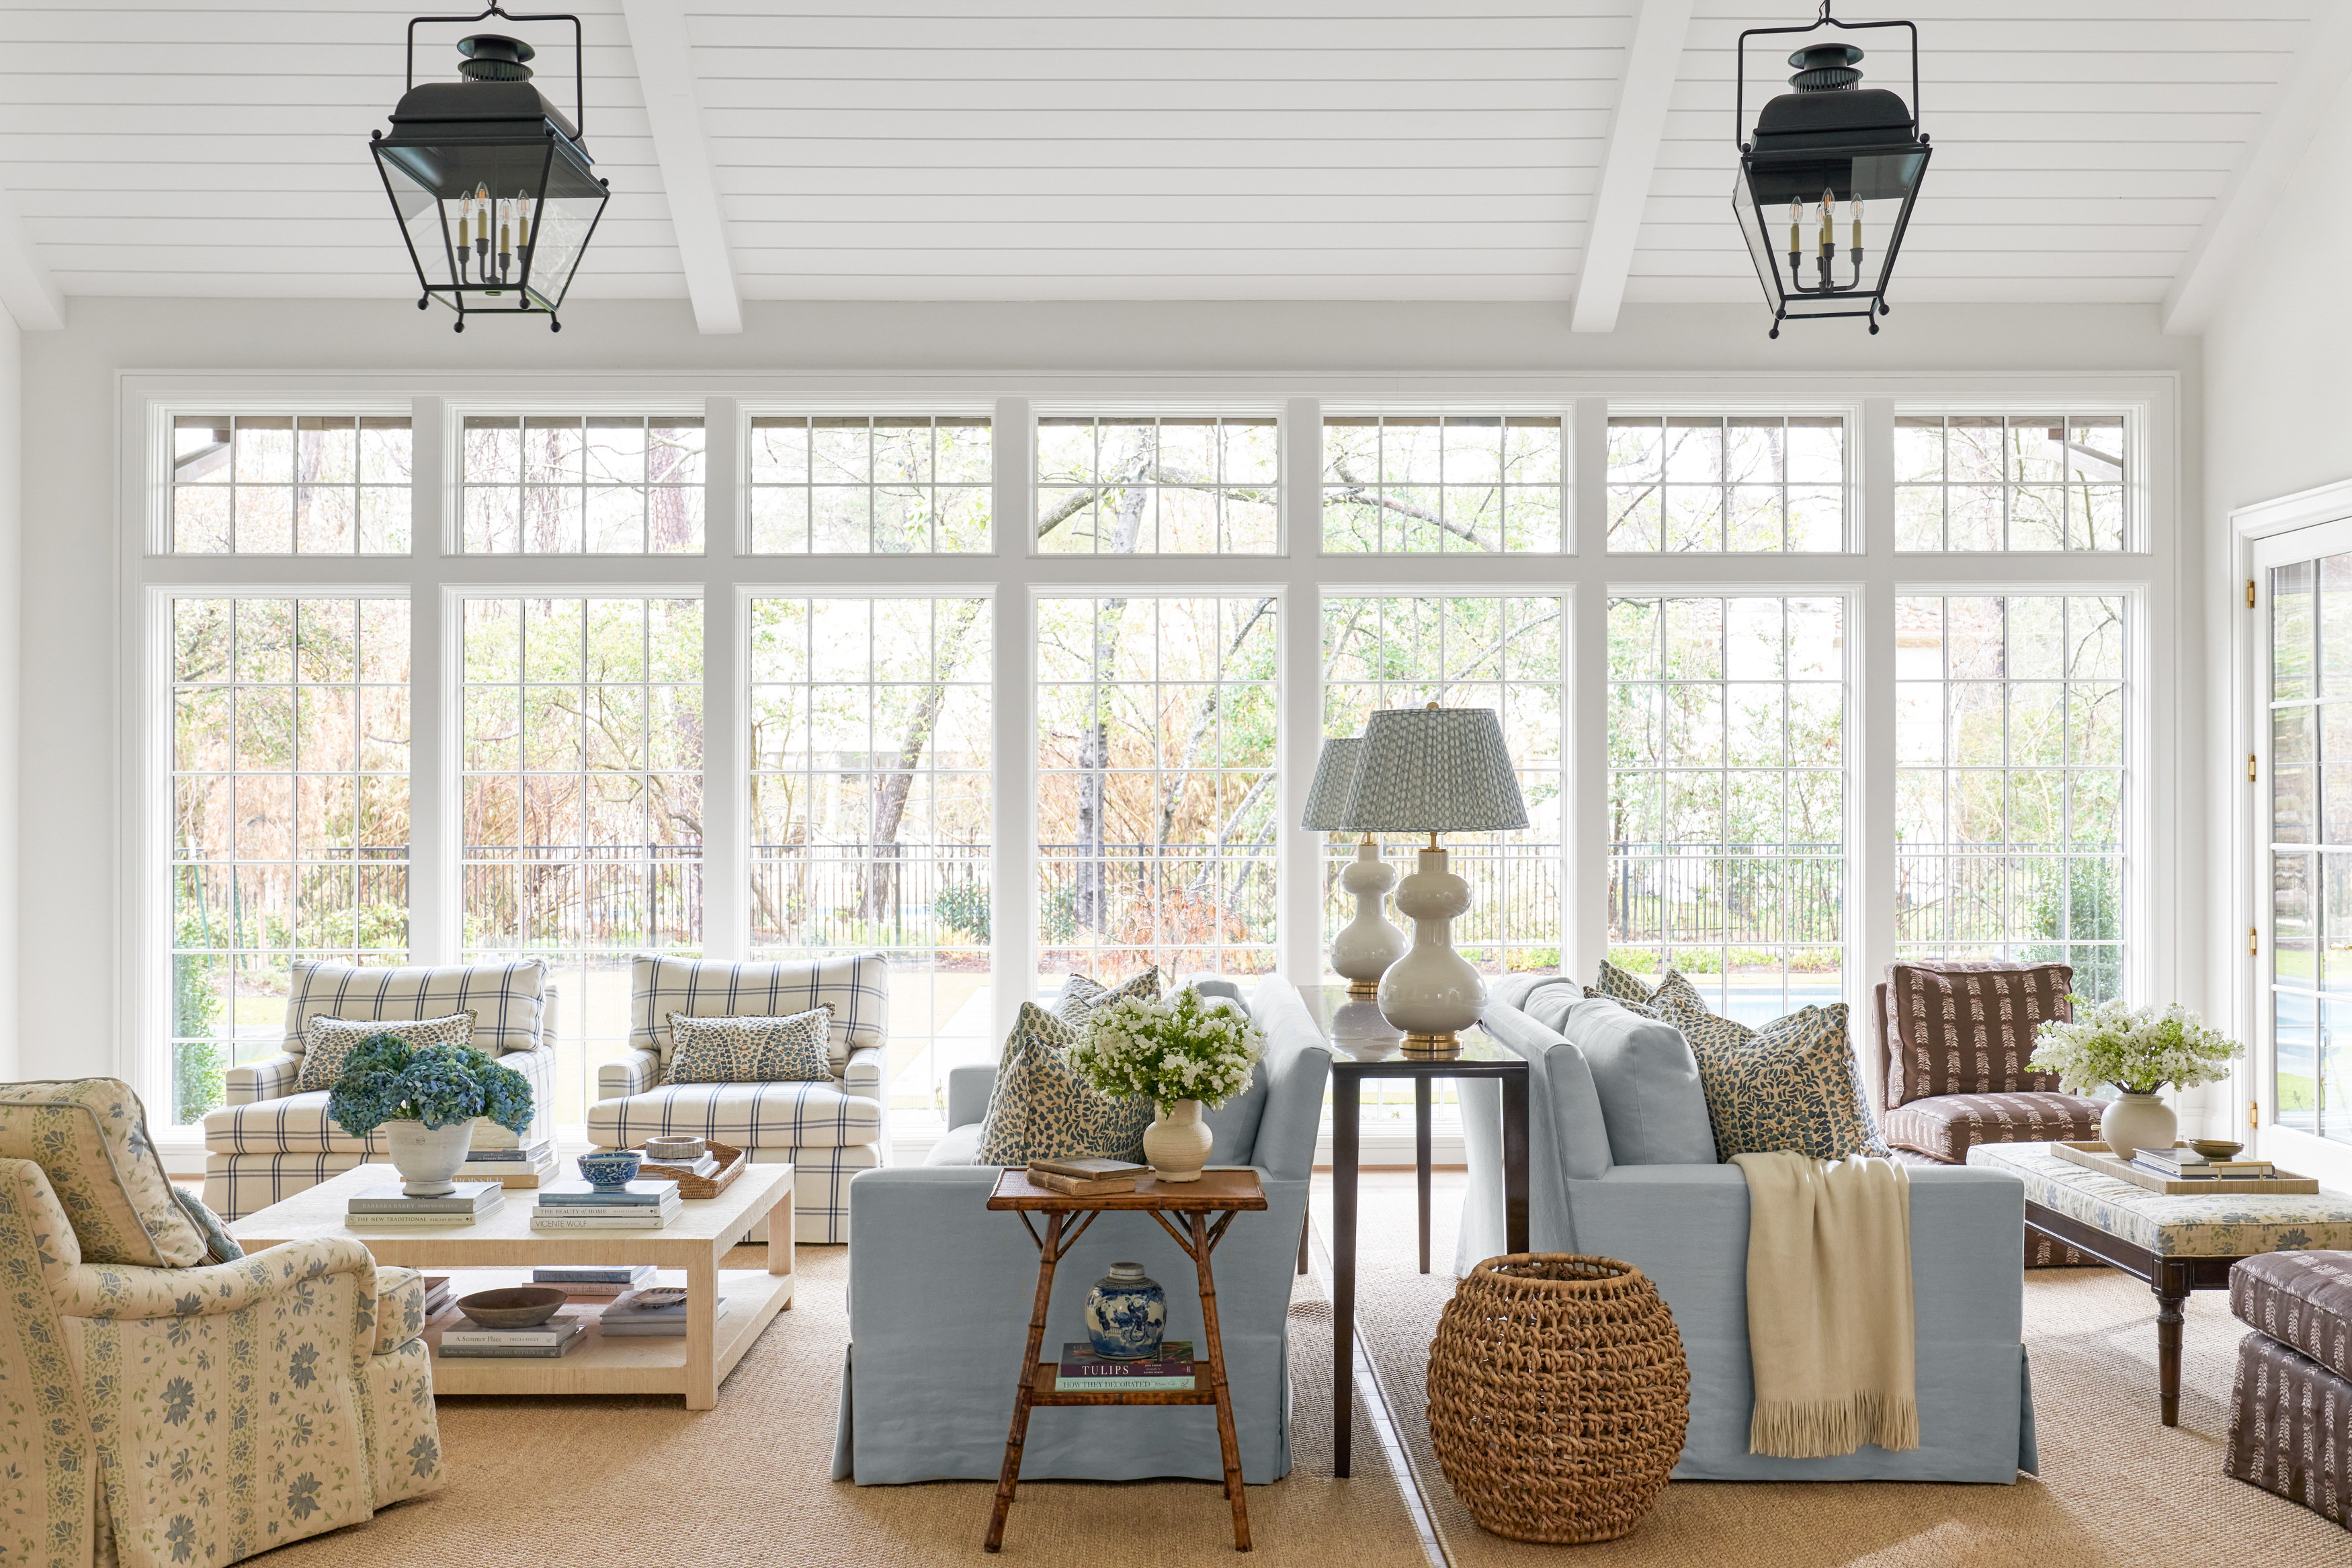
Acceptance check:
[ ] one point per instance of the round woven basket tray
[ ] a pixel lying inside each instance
(1558, 1395)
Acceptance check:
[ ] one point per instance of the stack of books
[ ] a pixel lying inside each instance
(548, 1341)
(436, 1296)
(595, 1279)
(1084, 1372)
(1086, 1178)
(473, 1200)
(576, 1205)
(665, 1318)
(512, 1164)
(2185, 1164)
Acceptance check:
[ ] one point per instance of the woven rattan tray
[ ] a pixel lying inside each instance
(731, 1161)
(2094, 1157)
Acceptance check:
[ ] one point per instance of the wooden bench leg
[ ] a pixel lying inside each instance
(2171, 1287)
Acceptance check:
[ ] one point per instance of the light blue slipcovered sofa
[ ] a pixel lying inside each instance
(1620, 1163)
(940, 1290)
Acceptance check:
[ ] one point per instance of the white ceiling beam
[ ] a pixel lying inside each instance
(1652, 63)
(27, 291)
(674, 109)
(2264, 168)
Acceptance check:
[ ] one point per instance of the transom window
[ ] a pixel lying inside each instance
(278, 484)
(876, 484)
(1727, 483)
(1148, 484)
(2009, 482)
(582, 484)
(1441, 483)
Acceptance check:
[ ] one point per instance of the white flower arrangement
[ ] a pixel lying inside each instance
(1186, 1048)
(2138, 1050)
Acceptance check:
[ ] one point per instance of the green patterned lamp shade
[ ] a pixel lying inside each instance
(1335, 779)
(1435, 771)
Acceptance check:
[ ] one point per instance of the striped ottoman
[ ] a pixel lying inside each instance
(2291, 1413)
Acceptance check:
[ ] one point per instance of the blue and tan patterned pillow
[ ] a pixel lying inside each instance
(1626, 988)
(1081, 995)
(1042, 1110)
(1792, 1085)
(328, 1043)
(793, 1049)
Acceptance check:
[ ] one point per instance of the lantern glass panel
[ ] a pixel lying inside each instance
(538, 189)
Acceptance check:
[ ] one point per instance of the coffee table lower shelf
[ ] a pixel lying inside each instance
(602, 1365)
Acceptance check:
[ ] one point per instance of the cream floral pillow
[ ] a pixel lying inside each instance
(90, 1138)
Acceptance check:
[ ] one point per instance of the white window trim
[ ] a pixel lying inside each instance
(1300, 573)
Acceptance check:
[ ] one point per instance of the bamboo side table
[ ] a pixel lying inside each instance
(1224, 1194)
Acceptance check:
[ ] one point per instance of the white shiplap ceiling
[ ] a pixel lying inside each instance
(1157, 149)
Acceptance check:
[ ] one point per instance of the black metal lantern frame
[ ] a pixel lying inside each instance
(1826, 143)
(496, 193)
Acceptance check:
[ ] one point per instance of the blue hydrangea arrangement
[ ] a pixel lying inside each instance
(385, 1080)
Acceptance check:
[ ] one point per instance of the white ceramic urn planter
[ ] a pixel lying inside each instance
(427, 1157)
(1178, 1141)
(2134, 1122)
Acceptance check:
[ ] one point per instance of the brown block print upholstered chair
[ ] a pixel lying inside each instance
(1948, 1069)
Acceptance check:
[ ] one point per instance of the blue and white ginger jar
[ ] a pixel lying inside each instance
(1127, 1314)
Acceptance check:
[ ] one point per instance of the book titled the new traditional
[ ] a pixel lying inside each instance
(1084, 1372)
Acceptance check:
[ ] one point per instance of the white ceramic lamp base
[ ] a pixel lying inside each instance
(1363, 949)
(1431, 993)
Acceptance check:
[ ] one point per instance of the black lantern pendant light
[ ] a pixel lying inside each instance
(1830, 152)
(494, 193)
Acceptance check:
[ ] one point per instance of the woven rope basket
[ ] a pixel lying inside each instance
(1557, 1394)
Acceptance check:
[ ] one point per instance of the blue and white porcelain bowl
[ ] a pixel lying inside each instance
(607, 1169)
(1127, 1314)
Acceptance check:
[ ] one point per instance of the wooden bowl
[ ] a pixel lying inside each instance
(2215, 1148)
(516, 1307)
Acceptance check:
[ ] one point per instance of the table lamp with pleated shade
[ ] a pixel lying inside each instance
(1434, 770)
(1361, 950)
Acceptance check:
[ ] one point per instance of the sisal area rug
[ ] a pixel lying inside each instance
(580, 1483)
(2117, 1489)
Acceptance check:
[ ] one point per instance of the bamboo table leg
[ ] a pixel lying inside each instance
(1228, 1444)
(1048, 1254)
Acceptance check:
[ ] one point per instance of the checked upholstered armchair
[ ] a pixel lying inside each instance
(165, 1399)
(274, 1137)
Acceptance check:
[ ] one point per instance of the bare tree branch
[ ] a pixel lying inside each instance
(1357, 494)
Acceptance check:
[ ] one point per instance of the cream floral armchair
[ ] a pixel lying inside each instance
(161, 1406)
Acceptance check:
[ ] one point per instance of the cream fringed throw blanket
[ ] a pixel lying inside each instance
(1829, 1330)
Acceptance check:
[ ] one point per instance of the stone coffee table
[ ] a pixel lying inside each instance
(503, 1248)
(2177, 1244)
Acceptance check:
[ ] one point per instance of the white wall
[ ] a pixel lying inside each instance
(2278, 364)
(70, 876)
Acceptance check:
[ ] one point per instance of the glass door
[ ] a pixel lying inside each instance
(2304, 584)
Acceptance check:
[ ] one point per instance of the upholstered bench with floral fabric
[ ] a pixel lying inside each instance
(195, 1404)
(2176, 1244)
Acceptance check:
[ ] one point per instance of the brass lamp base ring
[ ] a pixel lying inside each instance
(1363, 991)
(1433, 1046)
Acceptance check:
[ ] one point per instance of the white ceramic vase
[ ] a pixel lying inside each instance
(2134, 1122)
(428, 1158)
(1363, 950)
(1432, 992)
(1178, 1141)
